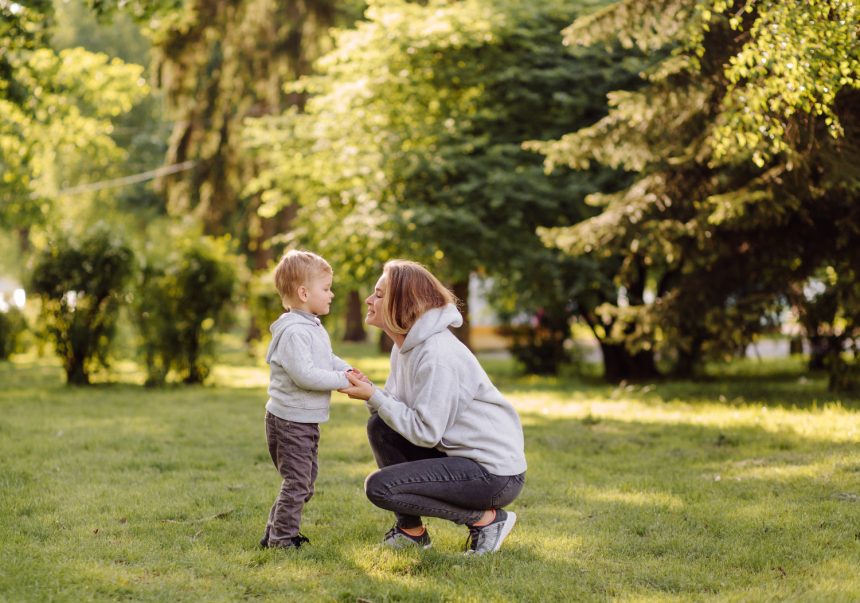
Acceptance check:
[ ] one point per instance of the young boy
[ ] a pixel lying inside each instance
(303, 371)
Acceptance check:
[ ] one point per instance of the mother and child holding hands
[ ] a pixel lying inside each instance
(446, 442)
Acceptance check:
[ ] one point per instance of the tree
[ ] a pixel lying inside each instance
(219, 63)
(743, 145)
(410, 142)
(142, 133)
(80, 281)
(58, 109)
(181, 302)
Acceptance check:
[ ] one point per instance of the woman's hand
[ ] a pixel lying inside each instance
(359, 374)
(360, 387)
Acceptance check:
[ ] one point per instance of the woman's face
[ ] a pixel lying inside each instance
(374, 304)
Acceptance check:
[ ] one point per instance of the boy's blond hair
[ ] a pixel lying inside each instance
(295, 269)
(410, 290)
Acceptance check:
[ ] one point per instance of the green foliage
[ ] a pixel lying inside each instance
(789, 62)
(54, 104)
(828, 310)
(410, 144)
(181, 301)
(12, 326)
(218, 62)
(539, 344)
(80, 282)
(743, 142)
(142, 133)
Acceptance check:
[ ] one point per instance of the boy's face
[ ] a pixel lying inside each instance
(318, 294)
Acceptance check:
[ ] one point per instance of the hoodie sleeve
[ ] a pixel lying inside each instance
(294, 355)
(339, 364)
(436, 401)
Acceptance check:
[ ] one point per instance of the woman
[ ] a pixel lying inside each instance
(446, 442)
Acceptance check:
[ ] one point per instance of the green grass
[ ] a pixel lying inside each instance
(745, 487)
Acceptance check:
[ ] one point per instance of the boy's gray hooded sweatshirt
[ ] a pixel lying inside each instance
(438, 396)
(303, 369)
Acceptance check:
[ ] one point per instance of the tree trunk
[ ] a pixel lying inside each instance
(843, 376)
(795, 346)
(464, 332)
(354, 318)
(689, 360)
(820, 348)
(620, 365)
(75, 373)
(24, 240)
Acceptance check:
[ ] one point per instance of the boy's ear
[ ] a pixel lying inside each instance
(302, 292)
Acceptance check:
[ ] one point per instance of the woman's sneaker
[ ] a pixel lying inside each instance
(489, 538)
(398, 539)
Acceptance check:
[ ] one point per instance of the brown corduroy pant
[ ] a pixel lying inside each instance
(293, 448)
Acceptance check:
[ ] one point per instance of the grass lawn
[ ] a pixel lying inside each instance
(742, 488)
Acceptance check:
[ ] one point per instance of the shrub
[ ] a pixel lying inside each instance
(181, 302)
(540, 344)
(12, 326)
(80, 281)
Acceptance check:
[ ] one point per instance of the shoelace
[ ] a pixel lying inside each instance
(390, 533)
(472, 539)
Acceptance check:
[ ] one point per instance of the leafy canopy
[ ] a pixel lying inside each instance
(410, 143)
(56, 107)
(743, 142)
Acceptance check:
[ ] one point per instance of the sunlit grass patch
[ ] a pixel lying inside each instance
(745, 488)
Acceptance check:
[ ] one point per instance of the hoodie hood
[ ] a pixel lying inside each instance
(431, 322)
(284, 322)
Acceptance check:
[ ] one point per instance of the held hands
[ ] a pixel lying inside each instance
(359, 374)
(360, 386)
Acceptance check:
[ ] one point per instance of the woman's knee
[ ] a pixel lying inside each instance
(375, 487)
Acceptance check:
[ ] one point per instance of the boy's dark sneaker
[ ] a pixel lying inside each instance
(295, 542)
(264, 541)
(396, 538)
(489, 538)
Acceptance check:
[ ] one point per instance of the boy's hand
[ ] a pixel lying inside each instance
(359, 389)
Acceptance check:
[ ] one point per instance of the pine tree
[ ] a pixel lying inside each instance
(744, 146)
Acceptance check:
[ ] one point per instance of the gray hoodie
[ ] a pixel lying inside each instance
(438, 396)
(303, 369)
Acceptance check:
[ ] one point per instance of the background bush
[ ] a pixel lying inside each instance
(540, 344)
(80, 280)
(12, 326)
(181, 301)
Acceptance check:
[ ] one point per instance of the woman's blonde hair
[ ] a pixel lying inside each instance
(295, 269)
(410, 290)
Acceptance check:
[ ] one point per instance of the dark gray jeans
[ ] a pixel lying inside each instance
(293, 448)
(414, 481)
